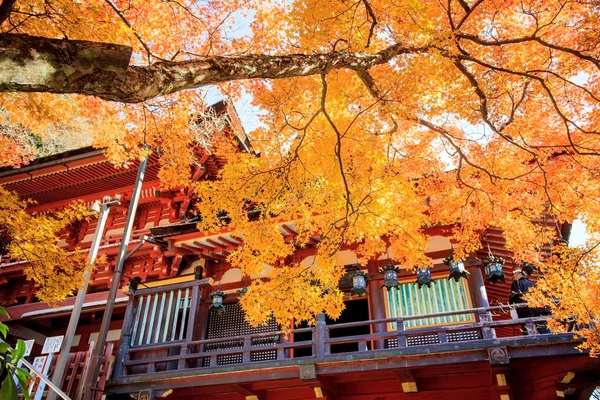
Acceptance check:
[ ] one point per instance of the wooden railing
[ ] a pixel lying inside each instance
(160, 334)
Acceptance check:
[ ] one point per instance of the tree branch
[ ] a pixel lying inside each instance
(6, 7)
(373, 20)
(66, 66)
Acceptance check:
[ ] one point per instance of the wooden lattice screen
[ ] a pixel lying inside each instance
(232, 323)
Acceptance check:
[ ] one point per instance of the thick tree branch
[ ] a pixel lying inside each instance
(37, 64)
(6, 7)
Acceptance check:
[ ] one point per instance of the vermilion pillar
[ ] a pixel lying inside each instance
(376, 303)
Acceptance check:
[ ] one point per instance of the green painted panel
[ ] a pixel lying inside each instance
(443, 295)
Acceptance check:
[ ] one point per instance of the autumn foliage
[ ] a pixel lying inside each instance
(55, 271)
(384, 117)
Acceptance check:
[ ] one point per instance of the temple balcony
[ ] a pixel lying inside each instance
(172, 340)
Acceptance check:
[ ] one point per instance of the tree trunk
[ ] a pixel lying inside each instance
(37, 64)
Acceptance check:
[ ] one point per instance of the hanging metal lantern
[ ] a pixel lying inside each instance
(390, 276)
(217, 301)
(423, 277)
(457, 269)
(493, 269)
(359, 283)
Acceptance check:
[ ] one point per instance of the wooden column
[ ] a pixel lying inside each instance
(477, 286)
(376, 304)
(202, 322)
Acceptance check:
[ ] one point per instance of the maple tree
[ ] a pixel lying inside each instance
(381, 118)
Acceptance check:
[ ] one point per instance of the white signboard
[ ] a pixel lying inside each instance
(52, 344)
(38, 363)
(28, 347)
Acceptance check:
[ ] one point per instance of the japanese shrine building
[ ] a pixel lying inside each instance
(164, 340)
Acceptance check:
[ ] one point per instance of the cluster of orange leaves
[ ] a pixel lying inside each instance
(33, 239)
(569, 283)
(344, 166)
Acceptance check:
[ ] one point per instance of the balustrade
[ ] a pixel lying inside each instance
(160, 334)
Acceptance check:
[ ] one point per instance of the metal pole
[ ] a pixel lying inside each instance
(45, 379)
(61, 363)
(93, 372)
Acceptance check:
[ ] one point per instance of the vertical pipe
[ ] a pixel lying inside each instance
(91, 377)
(61, 362)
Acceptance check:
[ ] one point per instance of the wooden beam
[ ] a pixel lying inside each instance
(245, 390)
(220, 246)
(407, 379)
(193, 249)
(229, 242)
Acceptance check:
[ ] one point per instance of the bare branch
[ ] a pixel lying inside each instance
(532, 38)
(372, 18)
(126, 22)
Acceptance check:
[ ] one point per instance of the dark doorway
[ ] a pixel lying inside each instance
(356, 310)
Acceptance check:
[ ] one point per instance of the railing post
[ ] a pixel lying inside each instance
(247, 347)
(125, 340)
(189, 332)
(281, 351)
(486, 331)
(194, 306)
(443, 337)
(401, 337)
(203, 314)
(182, 363)
(531, 328)
(320, 335)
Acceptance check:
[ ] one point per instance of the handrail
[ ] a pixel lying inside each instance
(432, 329)
(178, 343)
(44, 378)
(478, 310)
(217, 353)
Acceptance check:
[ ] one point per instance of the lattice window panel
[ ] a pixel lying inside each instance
(232, 323)
(229, 359)
(422, 340)
(263, 355)
(464, 336)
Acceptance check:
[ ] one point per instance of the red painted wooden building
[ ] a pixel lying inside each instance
(453, 340)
